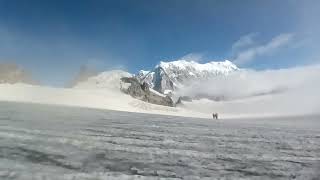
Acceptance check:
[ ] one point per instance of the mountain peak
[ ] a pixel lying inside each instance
(222, 66)
(175, 74)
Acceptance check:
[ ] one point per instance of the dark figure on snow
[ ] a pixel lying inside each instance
(215, 115)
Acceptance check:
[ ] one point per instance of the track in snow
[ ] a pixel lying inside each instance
(52, 142)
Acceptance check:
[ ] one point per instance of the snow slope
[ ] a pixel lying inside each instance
(101, 91)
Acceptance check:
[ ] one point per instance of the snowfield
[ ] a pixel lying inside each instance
(40, 142)
(112, 99)
(87, 96)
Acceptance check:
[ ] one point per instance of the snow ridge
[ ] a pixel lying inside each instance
(176, 74)
(224, 67)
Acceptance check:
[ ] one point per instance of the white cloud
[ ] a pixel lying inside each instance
(197, 57)
(248, 55)
(246, 83)
(244, 42)
(284, 91)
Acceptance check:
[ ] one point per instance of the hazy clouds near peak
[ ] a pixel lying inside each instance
(246, 83)
(197, 57)
(272, 92)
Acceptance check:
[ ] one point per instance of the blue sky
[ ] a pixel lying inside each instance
(53, 38)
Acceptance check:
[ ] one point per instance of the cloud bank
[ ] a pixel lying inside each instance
(283, 91)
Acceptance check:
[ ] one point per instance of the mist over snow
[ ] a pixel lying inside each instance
(283, 91)
(85, 72)
(246, 83)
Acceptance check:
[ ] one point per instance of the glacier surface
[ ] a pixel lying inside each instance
(57, 142)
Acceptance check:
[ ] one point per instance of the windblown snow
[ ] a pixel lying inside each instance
(105, 80)
(101, 91)
(12, 73)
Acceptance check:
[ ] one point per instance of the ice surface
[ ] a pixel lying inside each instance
(57, 142)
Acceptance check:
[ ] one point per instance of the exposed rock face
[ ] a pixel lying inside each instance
(132, 86)
(157, 79)
(12, 73)
(146, 76)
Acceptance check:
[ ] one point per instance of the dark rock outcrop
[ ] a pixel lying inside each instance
(131, 86)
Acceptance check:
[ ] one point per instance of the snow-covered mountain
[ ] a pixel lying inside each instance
(169, 76)
(166, 78)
